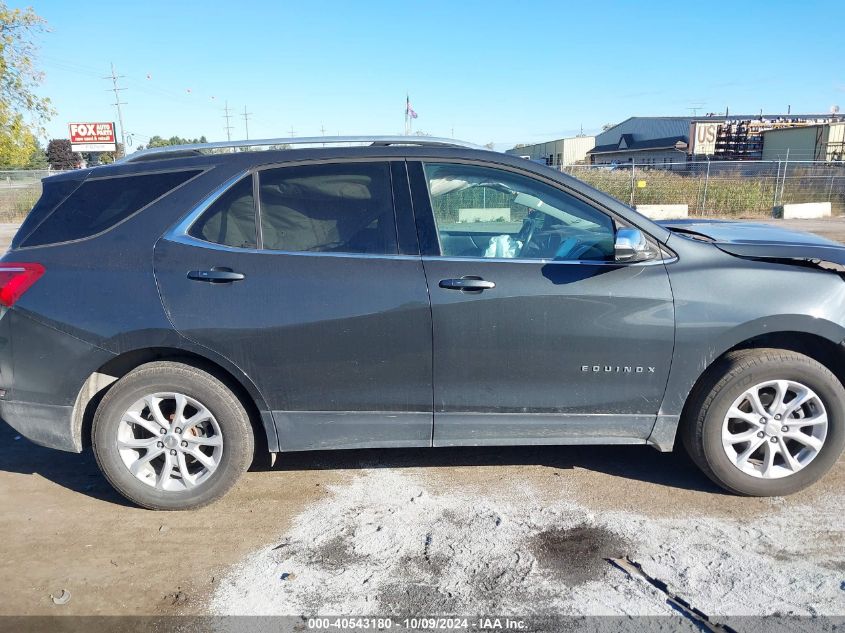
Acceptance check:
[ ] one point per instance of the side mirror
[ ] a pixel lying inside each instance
(632, 246)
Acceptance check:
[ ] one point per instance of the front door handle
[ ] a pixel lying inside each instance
(467, 283)
(215, 275)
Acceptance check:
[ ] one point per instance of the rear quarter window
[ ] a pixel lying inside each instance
(99, 204)
(53, 192)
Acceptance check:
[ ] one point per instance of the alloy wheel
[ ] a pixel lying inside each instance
(775, 429)
(170, 441)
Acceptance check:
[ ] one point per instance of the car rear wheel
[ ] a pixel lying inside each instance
(766, 422)
(169, 436)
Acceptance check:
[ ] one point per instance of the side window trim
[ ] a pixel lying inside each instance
(427, 235)
(403, 209)
(256, 204)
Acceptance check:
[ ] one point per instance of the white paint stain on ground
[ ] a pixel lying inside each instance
(388, 541)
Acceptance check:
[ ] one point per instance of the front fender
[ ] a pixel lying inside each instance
(692, 359)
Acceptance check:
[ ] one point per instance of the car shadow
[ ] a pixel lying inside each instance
(674, 470)
(642, 463)
(77, 472)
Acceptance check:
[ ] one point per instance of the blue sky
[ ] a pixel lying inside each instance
(504, 72)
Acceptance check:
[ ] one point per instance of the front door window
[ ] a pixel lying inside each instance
(483, 212)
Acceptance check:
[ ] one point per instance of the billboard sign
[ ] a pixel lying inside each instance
(92, 137)
(702, 136)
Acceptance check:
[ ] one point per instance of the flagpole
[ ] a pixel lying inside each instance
(407, 115)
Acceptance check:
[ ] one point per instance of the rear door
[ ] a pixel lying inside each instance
(539, 335)
(294, 273)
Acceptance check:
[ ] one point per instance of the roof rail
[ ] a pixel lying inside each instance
(197, 148)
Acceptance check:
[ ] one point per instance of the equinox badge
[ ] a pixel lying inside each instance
(617, 369)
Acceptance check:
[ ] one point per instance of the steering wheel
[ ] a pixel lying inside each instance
(529, 226)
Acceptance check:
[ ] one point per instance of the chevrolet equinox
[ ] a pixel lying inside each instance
(183, 306)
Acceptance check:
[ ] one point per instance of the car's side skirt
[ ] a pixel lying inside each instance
(326, 430)
(498, 429)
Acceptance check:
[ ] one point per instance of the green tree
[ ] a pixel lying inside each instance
(158, 141)
(38, 158)
(17, 142)
(23, 112)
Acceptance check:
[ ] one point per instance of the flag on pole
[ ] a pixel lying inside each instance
(409, 111)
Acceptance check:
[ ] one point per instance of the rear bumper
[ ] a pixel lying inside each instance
(42, 371)
(45, 424)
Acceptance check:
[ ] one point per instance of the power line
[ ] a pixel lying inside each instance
(228, 126)
(117, 102)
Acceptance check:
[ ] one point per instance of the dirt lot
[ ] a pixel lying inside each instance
(508, 530)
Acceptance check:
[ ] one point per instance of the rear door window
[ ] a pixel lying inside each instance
(101, 203)
(230, 220)
(328, 208)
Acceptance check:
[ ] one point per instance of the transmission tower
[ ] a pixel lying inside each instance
(228, 126)
(246, 116)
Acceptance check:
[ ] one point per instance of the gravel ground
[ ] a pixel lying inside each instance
(407, 542)
(510, 530)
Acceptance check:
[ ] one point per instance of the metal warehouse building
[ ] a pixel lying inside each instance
(825, 141)
(562, 152)
(671, 141)
(645, 141)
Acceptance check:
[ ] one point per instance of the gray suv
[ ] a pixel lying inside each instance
(190, 306)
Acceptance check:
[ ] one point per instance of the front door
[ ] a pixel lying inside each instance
(308, 294)
(539, 335)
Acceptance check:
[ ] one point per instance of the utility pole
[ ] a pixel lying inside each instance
(246, 115)
(228, 126)
(292, 132)
(322, 129)
(117, 103)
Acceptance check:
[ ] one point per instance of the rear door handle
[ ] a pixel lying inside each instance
(467, 283)
(215, 275)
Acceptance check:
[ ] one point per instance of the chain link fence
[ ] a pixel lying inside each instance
(19, 190)
(723, 188)
(712, 188)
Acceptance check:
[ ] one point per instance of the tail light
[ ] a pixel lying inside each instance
(15, 279)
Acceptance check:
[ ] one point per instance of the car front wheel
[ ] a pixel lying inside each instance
(170, 436)
(766, 422)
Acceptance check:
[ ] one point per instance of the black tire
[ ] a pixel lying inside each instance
(164, 376)
(704, 416)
